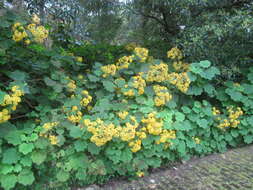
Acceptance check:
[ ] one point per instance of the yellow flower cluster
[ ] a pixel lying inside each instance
(135, 145)
(232, 120)
(75, 116)
(4, 116)
(71, 85)
(14, 98)
(39, 32)
(180, 80)
(158, 73)
(19, 32)
(166, 135)
(123, 62)
(102, 133)
(122, 114)
(53, 139)
(175, 53)
(141, 53)
(47, 127)
(140, 174)
(180, 66)
(139, 83)
(128, 132)
(162, 95)
(154, 126)
(109, 70)
(79, 59)
(87, 99)
(196, 139)
(129, 93)
(215, 111)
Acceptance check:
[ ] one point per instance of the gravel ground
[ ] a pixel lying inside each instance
(232, 170)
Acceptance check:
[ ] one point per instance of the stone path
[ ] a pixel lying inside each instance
(232, 170)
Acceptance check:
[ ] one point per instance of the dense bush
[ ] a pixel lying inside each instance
(61, 124)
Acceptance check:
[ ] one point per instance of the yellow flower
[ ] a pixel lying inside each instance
(158, 73)
(53, 139)
(124, 62)
(16, 26)
(180, 80)
(196, 139)
(4, 116)
(175, 53)
(139, 83)
(80, 77)
(129, 93)
(109, 70)
(162, 95)
(71, 86)
(79, 59)
(215, 111)
(27, 42)
(140, 174)
(87, 98)
(141, 53)
(122, 114)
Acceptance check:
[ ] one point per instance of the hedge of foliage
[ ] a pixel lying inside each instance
(63, 124)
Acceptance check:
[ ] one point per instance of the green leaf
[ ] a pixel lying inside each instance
(209, 89)
(234, 133)
(10, 156)
(14, 137)
(26, 161)
(26, 177)
(6, 168)
(93, 148)
(195, 90)
(62, 176)
(205, 64)
(109, 86)
(25, 148)
(17, 75)
(235, 95)
(120, 83)
(17, 168)
(126, 155)
(41, 143)
(93, 78)
(182, 126)
(186, 109)
(179, 116)
(203, 123)
(2, 95)
(8, 181)
(75, 132)
(80, 145)
(78, 161)
(49, 82)
(181, 148)
(38, 157)
(248, 139)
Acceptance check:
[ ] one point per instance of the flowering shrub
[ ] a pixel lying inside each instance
(63, 124)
